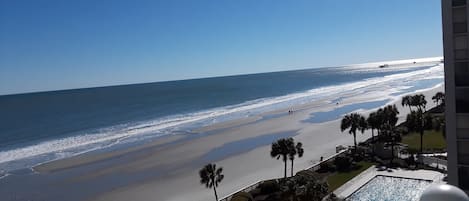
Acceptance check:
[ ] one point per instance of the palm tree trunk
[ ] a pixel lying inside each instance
(214, 190)
(292, 167)
(392, 151)
(285, 170)
(355, 141)
(421, 141)
(373, 141)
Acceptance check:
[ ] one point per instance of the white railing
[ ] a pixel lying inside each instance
(435, 162)
(244, 189)
(317, 165)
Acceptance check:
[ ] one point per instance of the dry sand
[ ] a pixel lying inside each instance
(240, 170)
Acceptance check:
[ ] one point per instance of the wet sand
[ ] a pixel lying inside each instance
(246, 168)
(167, 169)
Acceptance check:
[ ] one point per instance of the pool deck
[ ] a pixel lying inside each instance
(351, 186)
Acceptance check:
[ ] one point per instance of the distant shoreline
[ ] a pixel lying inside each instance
(325, 148)
(99, 128)
(392, 62)
(83, 159)
(234, 132)
(161, 166)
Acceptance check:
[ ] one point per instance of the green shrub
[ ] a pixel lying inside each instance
(269, 186)
(332, 197)
(358, 157)
(343, 163)
(403, 130)
(304, 186)
(242, 196)
(410, 160)
(326, 167)
(302, 177)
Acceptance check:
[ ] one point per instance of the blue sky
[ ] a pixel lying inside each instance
(50, 45)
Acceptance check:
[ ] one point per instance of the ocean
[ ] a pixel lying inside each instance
(40, 127)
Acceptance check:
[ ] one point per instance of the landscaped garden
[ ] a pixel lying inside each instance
(339, 178)
(433, 141)
(422, 132)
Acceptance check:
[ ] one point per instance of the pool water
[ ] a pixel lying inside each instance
(385, 188)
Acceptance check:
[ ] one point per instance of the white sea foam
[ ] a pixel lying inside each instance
(400, 63)
(69, 146)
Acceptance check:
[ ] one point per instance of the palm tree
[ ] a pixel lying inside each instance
(211, 177)
(439, 97)
(380, 117)
(419, 101)
(389, 115)
(386, 120)
(386, 117)
(418, 121)
(373, 123)
(439, 124)
(297, 150)
(391, 136)
(406, 101)
(353, 122)
(282, 148)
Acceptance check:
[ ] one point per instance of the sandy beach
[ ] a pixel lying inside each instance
(167, 169)
(134, 101)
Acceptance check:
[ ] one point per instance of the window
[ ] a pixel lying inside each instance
(463, 159)
(463, 174)
(459, 15)
(462, 100)
(461, 121)
(463, 133)
(461, 73)
(460, 54)
(459, 3)
(463, 152)
(460, 42)
(460, 27)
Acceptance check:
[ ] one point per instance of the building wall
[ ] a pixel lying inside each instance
(455, 15)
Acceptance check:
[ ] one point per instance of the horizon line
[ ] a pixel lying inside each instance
(390, 62)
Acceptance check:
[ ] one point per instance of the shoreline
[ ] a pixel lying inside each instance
(26, 158)
(261, 166)
(168, 167)
(90, 157)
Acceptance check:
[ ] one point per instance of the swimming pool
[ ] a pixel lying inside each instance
(386, 188)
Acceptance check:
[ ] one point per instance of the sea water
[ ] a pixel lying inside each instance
(44, 126)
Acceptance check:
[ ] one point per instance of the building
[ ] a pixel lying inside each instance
(456, 59)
